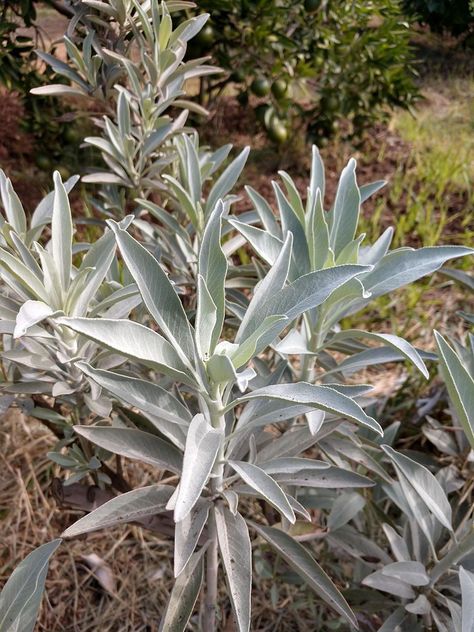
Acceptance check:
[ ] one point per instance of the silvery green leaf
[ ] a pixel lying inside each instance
(192, 170)
(466, 579)
(321, 397)
(220, 369)
(61, 232)
(212, 266)
(295, 342)
(128, 507)
(189, 28)
(350, 450)
(146, 396)
(292, 465)
(463, 277)
(358, 546)
(203, 443)
(315, 419)
(271, 284)
(298, 508)
(22, 274)
(456, 614)
(304, 294)
(264, 243)
(293, 196)
(345, 507)
(410, 572)
(247, 348)
(330, 478)
(397, 544)
(226, 180)
(206, 319)
(184, 595)
(31, 313)
(395, 342)
(317, 180)
(420, 606)
(318, 233)
(21, 595)
(134, 341)
(12, 205)
(236, 552)
(155, 139)
(425, 485)
(394, 622)
(439, 437)
(56, 89)
(265, 485)
(158, 294)
(99, 257)
(391, 585)
(367, 190)
(306, 566)
(134, 444)
(403, 266)
(232, 500)
(265, 212)
(345, 214)
(455, 555)
(460, 386)
(373, 254)
(184, 199)
(187, 534)
(291, 223)
(370, 357)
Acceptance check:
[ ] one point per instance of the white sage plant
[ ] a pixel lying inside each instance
(214, 432)
(128, 58)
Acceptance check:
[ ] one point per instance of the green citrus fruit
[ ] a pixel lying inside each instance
(260, 86)
(260, 112)
(206, 37)
(43, 162)
(279, 88)
(72, 135)
(238, 76)
(277, 131)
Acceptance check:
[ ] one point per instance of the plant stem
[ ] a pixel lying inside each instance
(217, 416)
(212, 567)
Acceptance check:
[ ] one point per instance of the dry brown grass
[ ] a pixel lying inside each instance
(139, 562)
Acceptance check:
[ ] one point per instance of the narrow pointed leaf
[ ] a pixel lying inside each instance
(266, 486)
(134, 341)
(21, 596)
(413, 573)
(187, 534)
(467, 597)
(134, 444)
(321, 397)
(236, 552)
(345, 214)
(61, 232)
(306, 566)
(213, 269)
(184, 595)
(395, 342)
(202, 446)
(148, 397)
(460, 386)
(128, 507)
(425, 485)
(158, 294)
